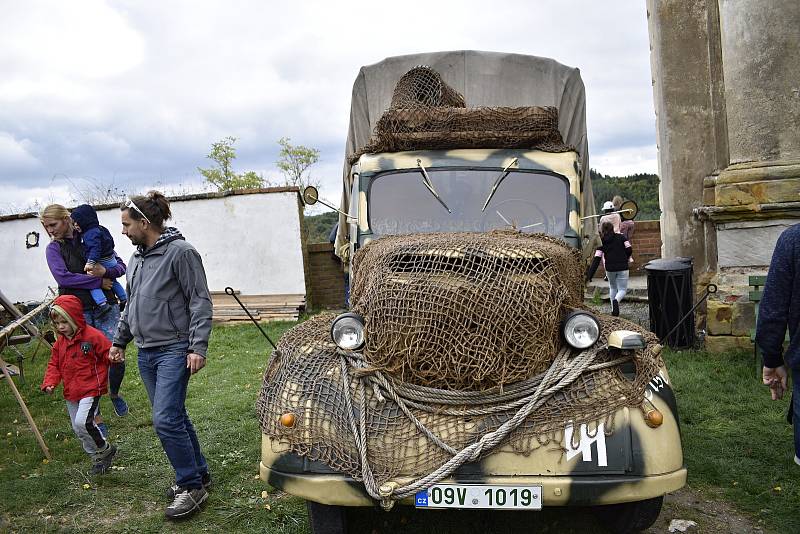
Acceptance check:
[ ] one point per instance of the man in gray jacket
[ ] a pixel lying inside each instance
(168, 316)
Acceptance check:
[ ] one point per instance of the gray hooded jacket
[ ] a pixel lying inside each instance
(168, 298)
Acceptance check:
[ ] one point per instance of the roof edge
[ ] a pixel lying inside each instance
(177, 198)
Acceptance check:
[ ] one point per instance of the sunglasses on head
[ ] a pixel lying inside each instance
(130, 204)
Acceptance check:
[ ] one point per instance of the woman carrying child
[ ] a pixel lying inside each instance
(66, 259)
(80, 360)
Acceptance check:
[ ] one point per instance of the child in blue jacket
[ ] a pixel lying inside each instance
(99, 248)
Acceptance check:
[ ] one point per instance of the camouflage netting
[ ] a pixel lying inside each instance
(487, 305)
(374, 416)
(427, 114)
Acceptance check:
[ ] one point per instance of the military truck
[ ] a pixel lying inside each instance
(468, 373)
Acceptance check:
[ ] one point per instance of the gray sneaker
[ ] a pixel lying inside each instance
(173, 490)
(101, 462)
(186, 503)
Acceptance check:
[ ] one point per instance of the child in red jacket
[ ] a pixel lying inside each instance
(80, 360)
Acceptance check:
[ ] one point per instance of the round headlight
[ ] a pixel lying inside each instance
(347, 331)
(581, 329)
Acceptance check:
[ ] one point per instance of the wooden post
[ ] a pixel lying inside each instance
(27, 413)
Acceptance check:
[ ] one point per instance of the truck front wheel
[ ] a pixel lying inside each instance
(630, 517)
(326, 519)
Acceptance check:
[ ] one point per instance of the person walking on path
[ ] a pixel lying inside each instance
(80, 360)
(66, 259)
(168, 316)
(609, 216)
(616, 250)
(626, 225)
(780, 309)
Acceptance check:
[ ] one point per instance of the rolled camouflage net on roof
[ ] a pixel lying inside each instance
(427, 114)
(332, 395)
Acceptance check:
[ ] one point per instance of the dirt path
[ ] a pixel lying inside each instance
(711, 515)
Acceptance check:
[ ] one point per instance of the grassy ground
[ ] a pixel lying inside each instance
(61, 495)
(736, 443)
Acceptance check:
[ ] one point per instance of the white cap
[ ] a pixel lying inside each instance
(608, 205)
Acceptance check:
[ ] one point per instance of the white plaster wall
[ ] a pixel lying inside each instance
(249, 242)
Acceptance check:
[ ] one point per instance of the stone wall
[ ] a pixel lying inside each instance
(727, 107)
(326, 276)
(729, 321)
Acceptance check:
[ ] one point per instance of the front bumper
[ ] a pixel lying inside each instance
(338, 490)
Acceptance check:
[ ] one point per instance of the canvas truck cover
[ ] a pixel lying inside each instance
(484, 79)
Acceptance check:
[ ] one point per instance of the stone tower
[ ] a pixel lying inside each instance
(726, 84)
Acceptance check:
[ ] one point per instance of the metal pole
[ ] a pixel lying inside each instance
(709, 291)
(230, 291)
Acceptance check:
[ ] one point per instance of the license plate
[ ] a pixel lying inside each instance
(480, 496)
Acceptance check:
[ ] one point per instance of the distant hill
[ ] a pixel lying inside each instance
(641, 188)
(318, 227)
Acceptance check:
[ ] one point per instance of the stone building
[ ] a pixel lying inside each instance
(726, 84)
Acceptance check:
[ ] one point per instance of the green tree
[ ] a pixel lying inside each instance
(641, 187)
(223, 176)
(294, 162)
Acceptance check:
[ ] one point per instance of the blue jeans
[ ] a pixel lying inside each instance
(97, 294)
(617, 284)
(165, 377)
(108, 325)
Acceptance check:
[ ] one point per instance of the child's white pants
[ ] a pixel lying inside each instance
(617, 284)
(82, 415)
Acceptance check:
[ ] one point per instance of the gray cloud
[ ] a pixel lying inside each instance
(135, 93)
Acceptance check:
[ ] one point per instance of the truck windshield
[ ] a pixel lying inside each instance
(399, 202)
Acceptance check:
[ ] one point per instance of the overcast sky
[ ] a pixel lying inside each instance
(131, 94)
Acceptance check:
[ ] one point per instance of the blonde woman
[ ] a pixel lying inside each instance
(66, 260)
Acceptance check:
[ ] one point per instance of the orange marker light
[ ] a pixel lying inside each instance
(654, 418)
(287, 420)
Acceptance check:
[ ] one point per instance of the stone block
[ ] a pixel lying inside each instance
(743, 319)
(746, 244)
(718, 322)
(761, 192)
(728, 344)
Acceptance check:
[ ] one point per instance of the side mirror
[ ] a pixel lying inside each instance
(310, 195)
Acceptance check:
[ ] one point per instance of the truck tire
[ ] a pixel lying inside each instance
(326, 519)
(629, 517)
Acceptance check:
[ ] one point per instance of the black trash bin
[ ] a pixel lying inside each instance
(670, 295)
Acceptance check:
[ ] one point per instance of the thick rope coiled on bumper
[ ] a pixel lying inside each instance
(564, 370)
(364, 422)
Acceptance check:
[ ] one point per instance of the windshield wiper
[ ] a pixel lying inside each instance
(427, 181)
(513, 225)
(497, 183)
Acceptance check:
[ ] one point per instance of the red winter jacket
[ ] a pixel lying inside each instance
(81, 362)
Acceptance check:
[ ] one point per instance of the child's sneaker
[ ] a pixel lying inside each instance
(174, 489)
(101, 462)
(103, 429)
(187, 502)
(120, 406)
(614, 308)
(102, 310)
